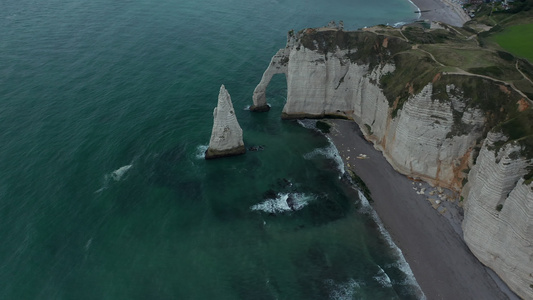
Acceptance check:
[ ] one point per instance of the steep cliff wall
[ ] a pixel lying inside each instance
(498, 225)
(428, 124)
(430, 133)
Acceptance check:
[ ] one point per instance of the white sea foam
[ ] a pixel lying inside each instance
(343, 291)
(200, 151)
(402, 263)
(329, 151)
(308, 123)
(417, 9)
(88, 244)
(399, 24)
(116, 175)
(336, 156)
(383, 278)
(119, 173)
(284, 202)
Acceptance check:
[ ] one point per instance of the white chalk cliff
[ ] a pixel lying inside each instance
(498, 224)
(416, 142)
(226, 137)
(433, 132)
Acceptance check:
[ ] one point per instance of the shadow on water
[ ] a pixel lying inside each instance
(166, 170)
(231, 182)
(152, 174)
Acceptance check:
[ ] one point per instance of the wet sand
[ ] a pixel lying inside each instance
(440, 260)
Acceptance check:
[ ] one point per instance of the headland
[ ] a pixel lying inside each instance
(437, 115)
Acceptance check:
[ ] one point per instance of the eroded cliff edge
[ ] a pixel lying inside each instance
(432, 120)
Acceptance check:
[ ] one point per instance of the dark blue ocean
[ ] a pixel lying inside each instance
(105, 111)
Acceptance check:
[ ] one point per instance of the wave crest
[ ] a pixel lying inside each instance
(284, 202)
(343, 291)
(200, 151)
(383, 278)
(119, 173)
(402, 264)
(330, 152)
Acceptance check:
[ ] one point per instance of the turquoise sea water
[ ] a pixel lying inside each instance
(105, 109)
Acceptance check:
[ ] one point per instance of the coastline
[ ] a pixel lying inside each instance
(442, 264)
(446, 11)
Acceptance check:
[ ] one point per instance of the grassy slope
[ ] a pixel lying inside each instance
(459, 51)
(511, 32)
(517, 39)
(442, 57)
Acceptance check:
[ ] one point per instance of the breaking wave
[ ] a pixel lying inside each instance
(402, 264)
(418, 12)
(330, 152)
(399, 24)
(343, 291)
(200, 151)
(284, 202)
(308, 123)
(116, 175)
(119, 173)
(383, 278)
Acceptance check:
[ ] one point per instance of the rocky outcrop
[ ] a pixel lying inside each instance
(428, 124)
(498, 225)
(421, 140)
(226, 137)
(278, 65)
(334, 80)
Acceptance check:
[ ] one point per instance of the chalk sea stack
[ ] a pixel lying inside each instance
(226, 137)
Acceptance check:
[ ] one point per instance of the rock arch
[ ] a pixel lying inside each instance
(278, 65)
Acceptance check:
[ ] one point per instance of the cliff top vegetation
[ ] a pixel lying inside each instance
(508, 27)
(481, 72)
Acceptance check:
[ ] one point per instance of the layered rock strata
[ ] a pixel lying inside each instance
(498, 225)
(341, 82)
(428, 125)
(226, 137)
(278, 65)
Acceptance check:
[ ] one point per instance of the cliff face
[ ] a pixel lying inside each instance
(427, 123)
(420, 139)
(226, 137)
(498, 225)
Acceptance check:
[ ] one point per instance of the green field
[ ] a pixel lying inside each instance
(518, 40)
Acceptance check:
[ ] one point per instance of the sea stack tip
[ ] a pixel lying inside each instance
(226, 136)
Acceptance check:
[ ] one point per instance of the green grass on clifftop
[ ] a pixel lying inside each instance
(414, 70)
(520, 129)
(517, 39)
(370, 48)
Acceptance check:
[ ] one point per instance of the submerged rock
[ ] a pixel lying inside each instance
(256, 148)
(226, 137)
